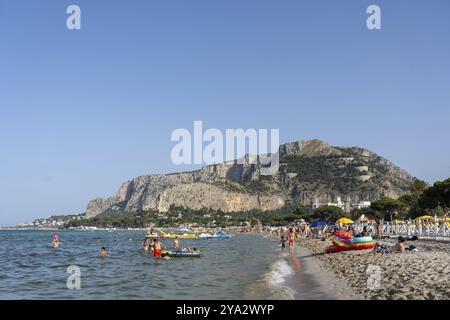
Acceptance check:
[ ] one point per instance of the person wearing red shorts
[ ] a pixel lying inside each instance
(157, 249)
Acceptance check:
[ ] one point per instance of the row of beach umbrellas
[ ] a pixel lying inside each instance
(320, 224)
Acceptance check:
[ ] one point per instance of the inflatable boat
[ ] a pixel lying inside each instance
(345, 244)
(174, 253)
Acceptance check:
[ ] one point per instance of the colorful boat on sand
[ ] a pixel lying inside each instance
(345, 244)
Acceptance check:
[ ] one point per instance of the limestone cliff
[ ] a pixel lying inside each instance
(309, 171)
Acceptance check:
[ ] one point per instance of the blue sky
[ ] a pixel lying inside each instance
(82, 111)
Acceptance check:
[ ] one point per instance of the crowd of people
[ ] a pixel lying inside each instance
(300, 230)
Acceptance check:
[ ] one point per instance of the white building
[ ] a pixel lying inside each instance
(344, 205)
(361, 204)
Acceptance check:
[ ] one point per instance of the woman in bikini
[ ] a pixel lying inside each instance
(291, 240)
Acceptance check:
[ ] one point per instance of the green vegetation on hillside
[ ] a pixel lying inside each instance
(422, 199)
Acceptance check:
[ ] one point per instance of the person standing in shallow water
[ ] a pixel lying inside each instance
(157, 249)
(291, 240)
(55, 241)
(283, 243)
(176, 244)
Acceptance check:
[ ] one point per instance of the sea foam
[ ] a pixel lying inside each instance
(276, 280)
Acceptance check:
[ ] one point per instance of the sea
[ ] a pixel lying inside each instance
(246, 266)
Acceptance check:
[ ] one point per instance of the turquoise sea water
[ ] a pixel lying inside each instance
(228, 269)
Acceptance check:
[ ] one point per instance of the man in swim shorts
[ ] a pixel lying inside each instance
(157, 249)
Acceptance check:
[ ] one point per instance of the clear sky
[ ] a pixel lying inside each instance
(82, 111)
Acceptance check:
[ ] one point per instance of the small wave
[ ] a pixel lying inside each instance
(276, 279)
(280, 270)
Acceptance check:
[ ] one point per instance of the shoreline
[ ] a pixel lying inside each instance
(302, 276)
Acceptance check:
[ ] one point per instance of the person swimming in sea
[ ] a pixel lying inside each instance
(55, 241)
(103, 252)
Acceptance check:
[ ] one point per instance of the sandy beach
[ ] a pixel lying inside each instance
(413, 275)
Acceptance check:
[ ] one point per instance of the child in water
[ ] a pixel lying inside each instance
(55, 241)
(283, 243)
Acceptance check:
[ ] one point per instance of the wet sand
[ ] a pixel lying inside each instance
(327, 281)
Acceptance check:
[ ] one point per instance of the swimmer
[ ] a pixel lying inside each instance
(55, 241)
(103, 252)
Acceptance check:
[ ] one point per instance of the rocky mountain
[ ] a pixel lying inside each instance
(310, 171)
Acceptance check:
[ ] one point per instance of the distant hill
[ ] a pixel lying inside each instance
(309, 171)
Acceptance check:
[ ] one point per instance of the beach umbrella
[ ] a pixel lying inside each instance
(425, 218)
(318, 224)
(344, 221)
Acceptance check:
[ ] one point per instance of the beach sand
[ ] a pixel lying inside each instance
(413, 275)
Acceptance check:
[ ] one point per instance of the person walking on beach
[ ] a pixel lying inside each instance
(291, 241)
(283, 243)
(379, 227)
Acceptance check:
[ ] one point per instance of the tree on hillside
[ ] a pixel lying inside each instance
(436, 196)
(328, 213)
(411, 200)
(390, 207)
(418, 187)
